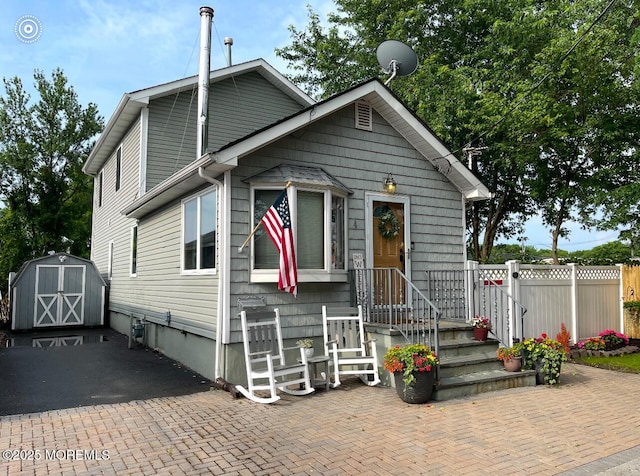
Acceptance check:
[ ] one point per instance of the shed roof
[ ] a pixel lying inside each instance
(57, 258)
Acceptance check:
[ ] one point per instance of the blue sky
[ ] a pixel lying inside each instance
(108, 48)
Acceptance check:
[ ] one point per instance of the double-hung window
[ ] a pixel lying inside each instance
(319, 227)
(118, 168)
(199, 219)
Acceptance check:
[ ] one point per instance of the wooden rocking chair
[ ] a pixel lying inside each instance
(344, 343)
(265, 362)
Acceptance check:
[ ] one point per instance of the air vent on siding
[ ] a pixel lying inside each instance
(364, 116)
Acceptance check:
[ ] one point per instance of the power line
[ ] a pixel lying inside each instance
(546, 76)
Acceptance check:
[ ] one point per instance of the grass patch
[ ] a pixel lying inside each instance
(629, 363)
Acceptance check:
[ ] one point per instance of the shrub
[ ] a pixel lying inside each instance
(592, 343)
(564, 337)
(613, 340)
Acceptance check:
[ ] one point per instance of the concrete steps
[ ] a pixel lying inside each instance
(469, 367)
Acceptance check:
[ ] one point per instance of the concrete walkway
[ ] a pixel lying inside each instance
(587, 425)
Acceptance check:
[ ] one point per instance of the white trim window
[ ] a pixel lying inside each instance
(319, 227)
(134, 251)
(110, 262)
(100, 185)
(199, 223)
(118, 168)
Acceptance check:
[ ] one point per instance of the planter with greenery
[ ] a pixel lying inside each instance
(413, 367)
(511, 357)
(481, 327)
(544, 355)
(307, 345)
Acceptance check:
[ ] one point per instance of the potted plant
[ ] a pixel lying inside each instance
(481, 327)
(413, 367)
(544, 355)
(511, 357)
(307, 345)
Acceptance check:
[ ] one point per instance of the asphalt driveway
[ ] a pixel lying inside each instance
(73, 368)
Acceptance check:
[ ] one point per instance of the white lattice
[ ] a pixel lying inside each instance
(598, 273)
(493, 274)
(548, 273)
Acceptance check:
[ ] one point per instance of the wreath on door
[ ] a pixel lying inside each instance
(389, 225)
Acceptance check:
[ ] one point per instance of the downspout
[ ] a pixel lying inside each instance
(224, 266)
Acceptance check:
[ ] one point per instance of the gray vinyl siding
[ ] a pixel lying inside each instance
(360, 160)
(159, 286)
(237, 107)
(108, 223)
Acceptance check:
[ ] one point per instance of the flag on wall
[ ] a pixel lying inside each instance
(277, 222)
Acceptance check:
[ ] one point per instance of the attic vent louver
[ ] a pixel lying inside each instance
(364, 116)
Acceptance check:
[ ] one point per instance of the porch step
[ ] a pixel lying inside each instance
(480, 382)
(469, 367)
(466, 346)
(469, 364)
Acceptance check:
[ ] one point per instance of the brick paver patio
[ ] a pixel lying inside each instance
(353, 429)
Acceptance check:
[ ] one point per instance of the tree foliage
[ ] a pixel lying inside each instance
(43, 144)
(557, 111)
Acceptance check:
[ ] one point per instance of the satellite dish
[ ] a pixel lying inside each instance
(396, 58)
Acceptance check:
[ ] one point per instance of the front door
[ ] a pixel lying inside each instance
(388, 226)
(59, 295)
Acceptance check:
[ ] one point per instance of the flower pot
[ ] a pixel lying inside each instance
(542, 378)
(308, 352)
(513, 364)
(418, 392)
(480, 333)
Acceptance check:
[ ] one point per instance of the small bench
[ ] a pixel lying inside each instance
(265, 359)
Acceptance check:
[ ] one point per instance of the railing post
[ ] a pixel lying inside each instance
(574, 301)
(471, 278)
(622, 294)
(513, 272)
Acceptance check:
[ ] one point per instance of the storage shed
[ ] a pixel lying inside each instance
(58, 290)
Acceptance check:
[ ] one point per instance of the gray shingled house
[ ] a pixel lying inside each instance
(370, 181)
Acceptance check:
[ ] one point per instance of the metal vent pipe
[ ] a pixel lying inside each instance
(206, 18)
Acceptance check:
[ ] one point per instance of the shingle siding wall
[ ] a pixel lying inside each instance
(361, 160)
(237, 107)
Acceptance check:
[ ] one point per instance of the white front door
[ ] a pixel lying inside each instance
(59, 295)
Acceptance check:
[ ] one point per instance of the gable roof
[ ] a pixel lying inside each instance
(387, 104)
(129, 107)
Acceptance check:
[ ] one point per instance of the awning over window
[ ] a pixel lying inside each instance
(298, 175)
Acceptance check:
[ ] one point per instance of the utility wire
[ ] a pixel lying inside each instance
(546, 76)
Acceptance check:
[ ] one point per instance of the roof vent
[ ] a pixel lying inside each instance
(364, 116)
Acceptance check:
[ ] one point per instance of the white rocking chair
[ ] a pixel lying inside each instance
(265, 362)
(345, 344)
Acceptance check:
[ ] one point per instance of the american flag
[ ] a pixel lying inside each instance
(277, 222)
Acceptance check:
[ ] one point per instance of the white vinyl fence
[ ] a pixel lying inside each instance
(587, 299)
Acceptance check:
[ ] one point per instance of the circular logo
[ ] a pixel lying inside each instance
(28, 28)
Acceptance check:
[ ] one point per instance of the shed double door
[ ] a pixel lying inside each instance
(59, 295)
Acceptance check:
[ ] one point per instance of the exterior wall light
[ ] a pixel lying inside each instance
(389, 184)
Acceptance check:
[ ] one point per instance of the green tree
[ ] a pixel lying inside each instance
(43, 145)
(501, 72)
